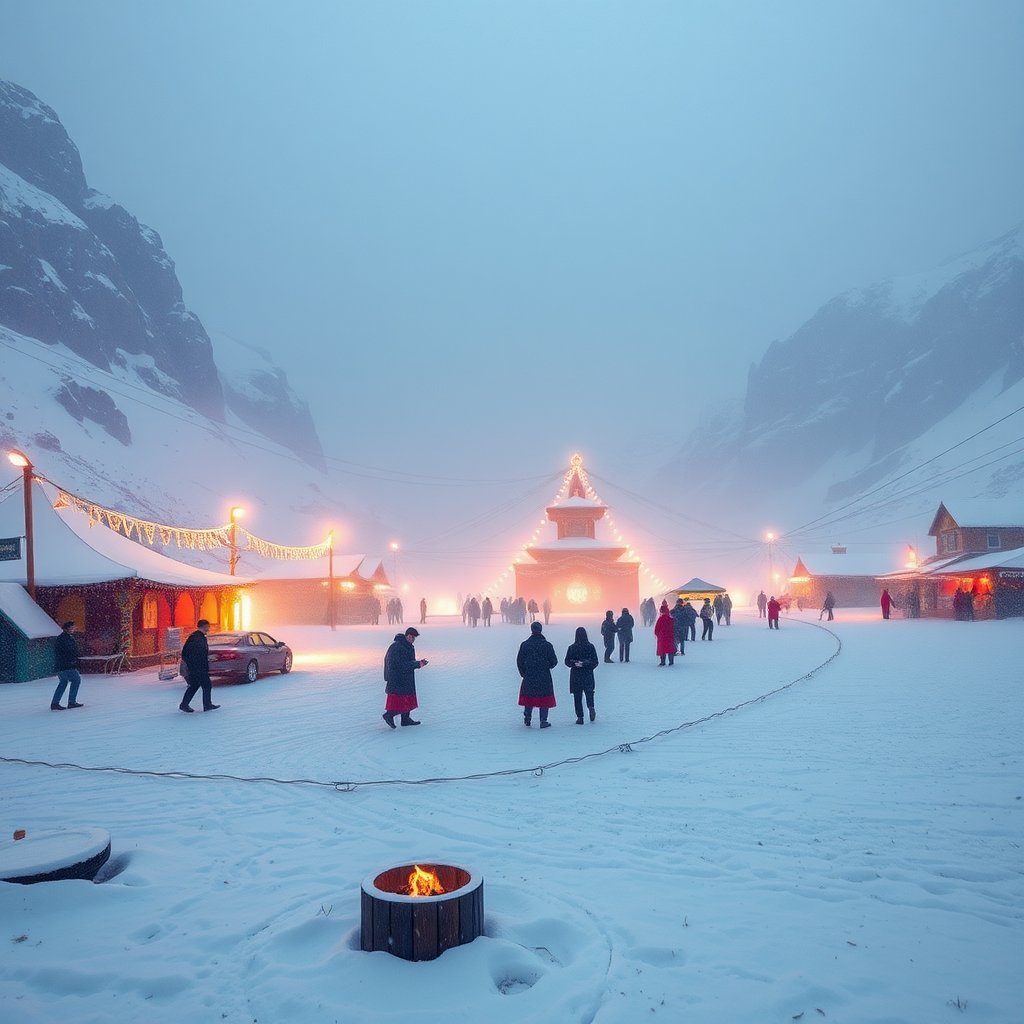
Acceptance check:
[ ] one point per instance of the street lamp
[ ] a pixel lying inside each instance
(394, 555)
(21, 461)
(235, 513)
(330, 579)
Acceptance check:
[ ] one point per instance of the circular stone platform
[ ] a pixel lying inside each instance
(54, 854)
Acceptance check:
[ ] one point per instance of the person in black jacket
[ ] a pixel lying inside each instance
(690, 633)
(535, 660)
(679, 624)
(65, 661)
(196, 655)
(624, 624)
(608, 631)
(400, 664)
(581, 657)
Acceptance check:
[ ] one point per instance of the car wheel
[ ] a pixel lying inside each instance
(287, 666)
(252, 670)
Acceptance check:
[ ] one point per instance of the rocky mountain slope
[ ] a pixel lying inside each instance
(842, 405)
(79, 271)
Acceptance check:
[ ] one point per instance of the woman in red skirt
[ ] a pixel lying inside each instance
(400, 665)
(535, 661)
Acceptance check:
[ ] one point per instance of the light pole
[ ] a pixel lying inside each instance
(21, 461)
(394, 557)
(235, 513)
(771, 561)
(330, 578)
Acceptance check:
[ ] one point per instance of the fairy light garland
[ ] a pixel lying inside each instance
(207, 539)
(575, 467)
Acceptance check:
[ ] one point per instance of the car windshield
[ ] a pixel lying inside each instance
(224, 639)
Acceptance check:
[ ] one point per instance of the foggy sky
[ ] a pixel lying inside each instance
(481, 236)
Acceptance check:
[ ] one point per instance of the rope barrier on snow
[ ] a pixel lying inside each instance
(538, 770)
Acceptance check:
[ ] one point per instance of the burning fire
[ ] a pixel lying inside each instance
(424, 883)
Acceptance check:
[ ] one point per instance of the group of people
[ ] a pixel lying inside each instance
(516, 609)
(620, 628)
(474, 610)
(395, 611)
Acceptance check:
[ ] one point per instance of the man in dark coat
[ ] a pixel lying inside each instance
(679, 624)
(762, 605)
(535, 660)
(691, 621)
(624, 624)
(65, 661)
(196, 656)
(707, 616)
(719, 607)
(400, 664)
(608, 631)
(581, 657)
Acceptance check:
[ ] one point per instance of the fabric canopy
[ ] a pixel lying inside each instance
(68, 550)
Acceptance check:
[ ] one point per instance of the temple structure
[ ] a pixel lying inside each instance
(576, 571)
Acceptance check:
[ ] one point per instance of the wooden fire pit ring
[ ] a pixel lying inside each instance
(421, 927)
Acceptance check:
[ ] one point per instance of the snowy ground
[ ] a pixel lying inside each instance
(848, 850)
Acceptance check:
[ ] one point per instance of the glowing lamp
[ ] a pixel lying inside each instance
(18, 459)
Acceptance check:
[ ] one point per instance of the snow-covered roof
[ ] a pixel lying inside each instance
(69, 551)
(973, 513)
(578, 502)
(1013, 559)
(576, 544)
(859, 564)
(697, 586)
(24, 614)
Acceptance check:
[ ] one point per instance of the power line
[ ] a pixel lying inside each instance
(909, 472)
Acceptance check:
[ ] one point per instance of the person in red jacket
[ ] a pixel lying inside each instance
(665, 634)
(773, 612)
(886, 603)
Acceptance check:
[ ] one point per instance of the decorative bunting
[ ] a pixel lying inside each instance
(193, 539)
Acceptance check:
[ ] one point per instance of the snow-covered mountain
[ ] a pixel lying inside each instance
(878, 381)
(79, 271)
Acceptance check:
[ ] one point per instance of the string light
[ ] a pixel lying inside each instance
(576, 468)
(208, 539)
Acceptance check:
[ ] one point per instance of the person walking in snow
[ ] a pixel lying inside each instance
(474, 611)
(727, 609)
(665, 634)
(827, 605)
(581, 657)
(773, 608)
(533, 609)
(423, 610)
(690, 632)
(66, 664)
(719, 608)
(886, 603)
(195, 653)
(547, 609)
(487, 610)
(624, 625)
(608, 631)
(400, 664)
(535, 660)
(762, 604)
(679, 624)
(707, 617)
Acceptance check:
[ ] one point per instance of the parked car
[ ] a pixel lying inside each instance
(247, 655)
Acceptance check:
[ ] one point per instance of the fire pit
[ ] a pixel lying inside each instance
(417, 911)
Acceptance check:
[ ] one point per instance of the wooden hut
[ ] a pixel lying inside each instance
(121, 595)
(852, 578)
(27, 637)
(301, 592)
